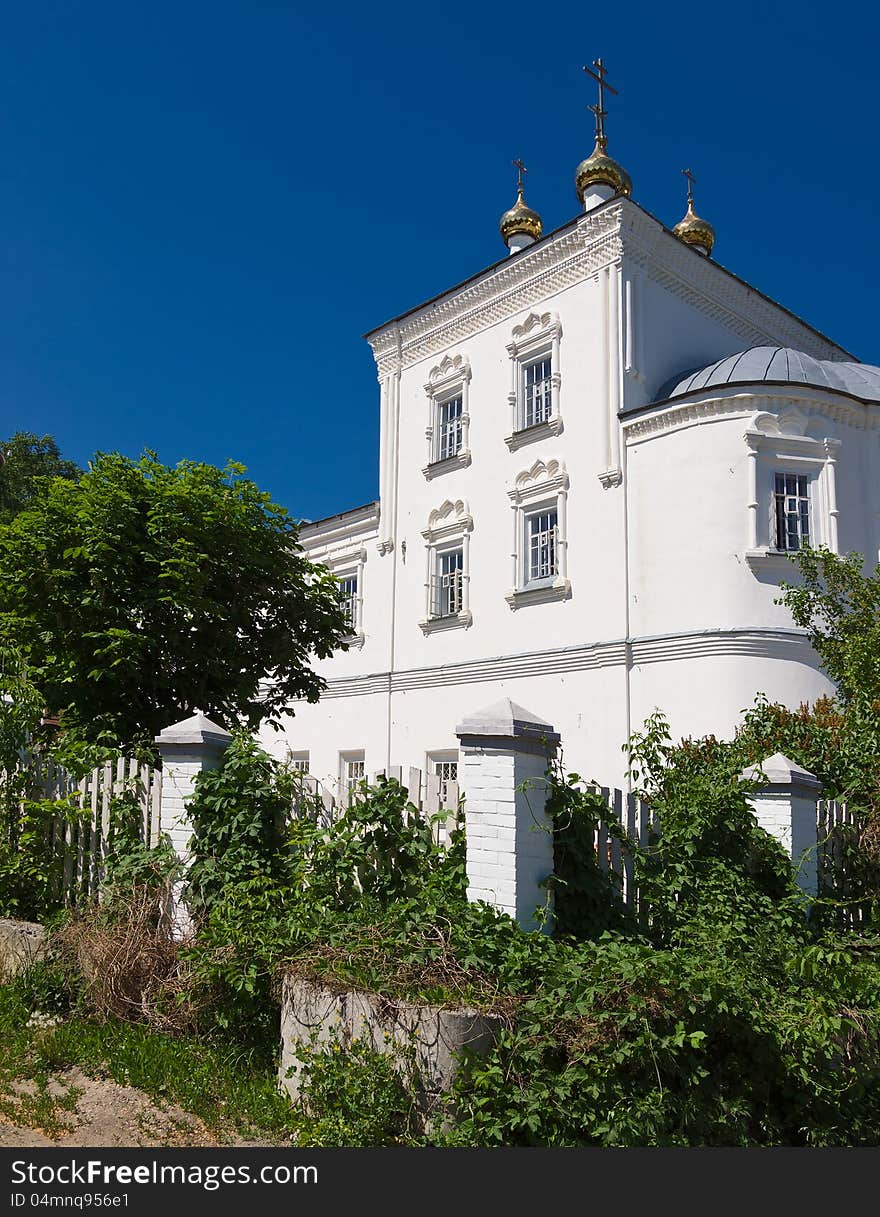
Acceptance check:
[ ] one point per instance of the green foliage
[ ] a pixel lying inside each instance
(839, 606)
(31, 863)
(709, 867)
(239, 818)
(629, 1044)
(268, 879)
(353, 1096)
(29, 462)
(587, 899)
(141, 591)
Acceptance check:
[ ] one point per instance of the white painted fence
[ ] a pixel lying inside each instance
(430, 794)
(84, 838)
(839, 830)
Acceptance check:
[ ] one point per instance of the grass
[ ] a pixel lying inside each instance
(228, 1088)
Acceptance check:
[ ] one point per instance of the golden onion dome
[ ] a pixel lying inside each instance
(694, 231)
(599, 169)
(521, 219)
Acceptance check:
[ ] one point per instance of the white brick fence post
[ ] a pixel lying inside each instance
(509, 835)
(187, 749)
(786, 808)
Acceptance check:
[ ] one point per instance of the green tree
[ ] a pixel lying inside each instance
(839, 606)
(28, 462)
(142, 591)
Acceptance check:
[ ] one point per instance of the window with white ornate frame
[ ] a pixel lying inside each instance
(348, 570)
(448, 426)
(792, 489)
(447, 567)
(535, 380)
(540, 542)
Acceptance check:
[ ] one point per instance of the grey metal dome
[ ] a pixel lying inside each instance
(778, 366)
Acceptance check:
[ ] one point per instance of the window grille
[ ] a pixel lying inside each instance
(299, 762)
(537, 396)
(446, 771)
(542, 547)
(449, 428)
(348, 600)
(792, 511)
(353, 775)
(447, 588)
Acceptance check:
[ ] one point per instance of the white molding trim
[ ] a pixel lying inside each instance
(455, 621)
(449, 526)
(611, 477)
(543, 486)
(617, 230)
(532, 435)
(717, 404)
(543, 478)
(536, 337)
(776, 443)
(436, 469)
(559, 589)
(450, 378)
(734, 643)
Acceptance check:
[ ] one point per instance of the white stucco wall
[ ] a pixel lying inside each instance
(666, 608)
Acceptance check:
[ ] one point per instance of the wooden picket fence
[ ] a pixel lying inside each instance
(615, 854)
(83, 838)
(429, 793)
(839, 830)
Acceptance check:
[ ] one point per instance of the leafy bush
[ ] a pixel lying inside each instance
(354, 1096)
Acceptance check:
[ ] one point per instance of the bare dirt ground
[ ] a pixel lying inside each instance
(107, 1114)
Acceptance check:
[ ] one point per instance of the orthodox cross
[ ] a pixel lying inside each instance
(690, 180)
(600, 76)
(520, 170)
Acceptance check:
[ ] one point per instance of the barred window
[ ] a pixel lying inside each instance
(447, 591)
(446, 771)
(541, 552)
(299, 762)
(352, 773)
(792, 505)
(449, 428)
(348, 600)
(537, 398)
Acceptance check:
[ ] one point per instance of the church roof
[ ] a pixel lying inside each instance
(779, 366)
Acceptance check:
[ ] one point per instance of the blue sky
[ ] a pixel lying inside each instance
(203, 206)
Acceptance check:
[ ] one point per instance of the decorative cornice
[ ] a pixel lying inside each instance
(349, 527)
(756, 643)
(573, 254)
(619, 230)
(714, 404)
(715, 291)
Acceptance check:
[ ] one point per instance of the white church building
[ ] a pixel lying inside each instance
(596, 457)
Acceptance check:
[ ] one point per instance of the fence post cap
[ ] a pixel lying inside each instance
(195, 731)
(780, 770)
(506, 720)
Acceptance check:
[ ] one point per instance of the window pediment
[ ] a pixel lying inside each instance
(544, 477)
